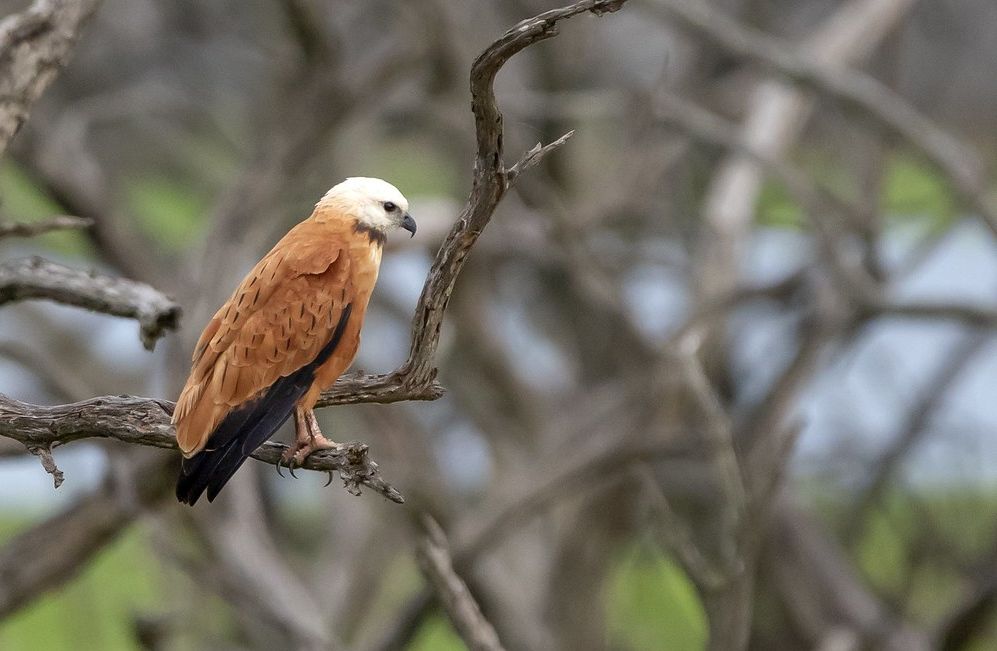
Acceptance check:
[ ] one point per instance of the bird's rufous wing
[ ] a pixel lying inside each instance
(277, 321)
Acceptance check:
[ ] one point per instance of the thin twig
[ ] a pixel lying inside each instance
(534, 156)
(434, 558)
(44, 454)
(33, 229)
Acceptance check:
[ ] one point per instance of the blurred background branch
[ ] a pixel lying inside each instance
(34, 46)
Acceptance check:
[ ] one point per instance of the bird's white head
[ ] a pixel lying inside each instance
(377, 205)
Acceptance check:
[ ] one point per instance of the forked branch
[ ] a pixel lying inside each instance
(145, 421)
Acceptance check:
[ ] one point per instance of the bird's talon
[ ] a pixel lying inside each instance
(277, 465)
(330, 479)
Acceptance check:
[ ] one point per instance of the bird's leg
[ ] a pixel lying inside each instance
(308, 438)
(319, 442)
(302, 437)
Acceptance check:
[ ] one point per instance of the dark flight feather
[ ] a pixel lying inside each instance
(248, 426)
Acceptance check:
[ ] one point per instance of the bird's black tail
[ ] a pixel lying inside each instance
(243, 430)
(248, 426)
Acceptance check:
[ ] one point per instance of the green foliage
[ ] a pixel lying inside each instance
(776, 208)
(651, 605)
(911, 189)
(166, 210)
(434, 174)
(914, 189)
(436, 634)
(912, 547)
(95, 610)
(22, 200)
(882, 555)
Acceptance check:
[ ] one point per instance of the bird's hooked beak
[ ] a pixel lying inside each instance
(409, 224)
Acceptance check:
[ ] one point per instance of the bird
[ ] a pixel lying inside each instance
(288, 331)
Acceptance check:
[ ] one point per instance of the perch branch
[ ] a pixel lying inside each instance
(37, 278)
(143, 421)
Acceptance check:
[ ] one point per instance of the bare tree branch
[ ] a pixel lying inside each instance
(34, 46)
(59, 223)
(433, 554)
(391, 387)
(490, 183)
(37, 278)
(913, 429)
(968, 315)
(142, 421)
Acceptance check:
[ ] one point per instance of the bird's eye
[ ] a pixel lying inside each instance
(390, 207)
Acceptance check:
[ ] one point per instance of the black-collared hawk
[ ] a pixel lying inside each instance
(287, 332)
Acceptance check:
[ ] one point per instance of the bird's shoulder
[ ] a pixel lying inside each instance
(305, 266)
